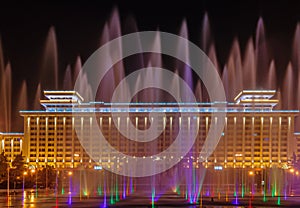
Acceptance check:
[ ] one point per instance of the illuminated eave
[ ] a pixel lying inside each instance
(11, 133)
(54, 94)
(259, 93)
(56, 110)
(258, 102)
(297, 133)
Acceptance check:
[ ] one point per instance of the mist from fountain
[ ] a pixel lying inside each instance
(67, 83)
(252, 68)
(288, 83)
(37, 97)
(22, 103)
(49, 65)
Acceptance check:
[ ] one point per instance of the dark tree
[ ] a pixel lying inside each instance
(47, 175)
(3, 167)
(17, 169)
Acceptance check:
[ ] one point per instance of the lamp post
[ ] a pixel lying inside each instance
(46, 186)
(24, 174)
(76, 155)
(34, 171)
(8, 181)
(251, 174)
(80, 195)
(70, 173)
(56, 182)
(292, 171)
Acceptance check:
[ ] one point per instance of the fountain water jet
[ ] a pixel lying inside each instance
(67, 84)
(37, 97)
(249, 68)
(6, 102)
(22, 104)
(49, 67)
(261, 54)
(271, 78)
(234, 67)
(288, 88)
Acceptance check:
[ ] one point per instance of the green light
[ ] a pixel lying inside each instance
(265, 198)
(85, 193)
(194, 179)
(99, 190)
(117, 190)
(243, 191)
(131, 186)
(152, 196)
(278, 200)
(112, 199)
(178, 190)
(62, 191)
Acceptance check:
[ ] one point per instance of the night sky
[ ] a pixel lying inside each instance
(78, 25)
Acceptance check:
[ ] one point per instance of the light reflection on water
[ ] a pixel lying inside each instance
(29, 200)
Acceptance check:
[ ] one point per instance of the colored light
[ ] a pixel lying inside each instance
(97, 167)
(278, 200)
(218, 168)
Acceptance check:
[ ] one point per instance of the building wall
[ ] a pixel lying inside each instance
(11, 144)
(256, 140)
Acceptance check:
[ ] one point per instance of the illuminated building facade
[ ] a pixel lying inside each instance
(11, 144)
(256, 135)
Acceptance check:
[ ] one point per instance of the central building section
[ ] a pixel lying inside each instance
(255, 134)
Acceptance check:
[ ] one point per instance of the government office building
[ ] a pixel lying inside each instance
(256, 134)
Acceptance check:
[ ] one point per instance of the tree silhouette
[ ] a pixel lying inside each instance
(18, 163)
(47, 174)
(18, 167)
(3, 167)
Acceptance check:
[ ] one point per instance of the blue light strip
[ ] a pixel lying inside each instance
(160, 107)
(159, 110)
(11, 133)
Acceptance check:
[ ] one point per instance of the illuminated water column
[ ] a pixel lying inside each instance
(200, 182)
(277, 179)
(243, 157)
(11, 149)
(252, 142)
(206, 132)
(288, 152)
(46, 154)
(73, 140)
(268, 179)
(27, 141)
(37, 155)
(86, 190)
(226, 160)
(104, 192)
(234, 145)
(261, 141)
(176, 181)
(279, 140)
(70, 173)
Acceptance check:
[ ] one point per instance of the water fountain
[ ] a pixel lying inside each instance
(252, 68)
